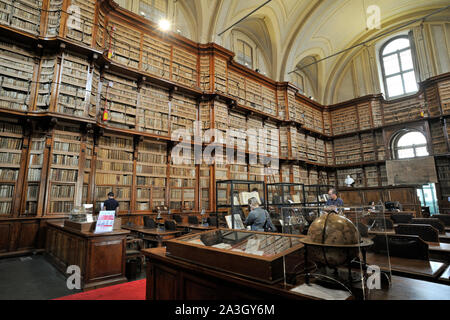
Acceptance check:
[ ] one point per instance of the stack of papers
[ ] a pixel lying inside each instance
(317, 291)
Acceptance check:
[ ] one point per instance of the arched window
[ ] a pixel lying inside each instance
(397, 66)
(244, 54)
(410, 144)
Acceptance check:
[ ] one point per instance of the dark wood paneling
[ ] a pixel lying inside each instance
(28, 235)
(5, 236)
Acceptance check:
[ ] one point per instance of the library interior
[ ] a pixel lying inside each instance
(224, 149)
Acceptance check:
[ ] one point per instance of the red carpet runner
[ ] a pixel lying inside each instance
(126, 291)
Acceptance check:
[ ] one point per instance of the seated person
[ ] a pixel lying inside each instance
(258, 218)
(334, 200)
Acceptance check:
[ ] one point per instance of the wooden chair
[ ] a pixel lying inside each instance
(424, 231)
(403, 246)
(434, 222)
(380, 223)
(363, 229)
(149, 222)
(401, 217)
(192, 220)
(177, 218)
(133, 252)
(212, 221)
(170, 225)
(444, 218)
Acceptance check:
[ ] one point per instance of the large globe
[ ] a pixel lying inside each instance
(332, 240)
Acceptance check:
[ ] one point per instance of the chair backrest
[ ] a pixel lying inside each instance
(424, 231)
(363, 229)
(444, 218)
(170, 225)
(403, 246)
(212, 221)
(380, 223)
(401, 217)
(434, 222)
(177, 218)
(192, 220)
(149, 222)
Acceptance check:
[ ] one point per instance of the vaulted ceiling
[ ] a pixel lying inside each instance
(290, 32)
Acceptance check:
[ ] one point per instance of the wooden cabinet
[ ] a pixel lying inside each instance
(101, 257)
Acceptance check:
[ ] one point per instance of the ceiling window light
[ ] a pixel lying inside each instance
(164, 24)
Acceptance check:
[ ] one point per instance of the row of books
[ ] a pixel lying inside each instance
(62, 191)
(63, 175)
(5, 207)
(10, 158)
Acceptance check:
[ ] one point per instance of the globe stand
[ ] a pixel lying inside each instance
(337, 284)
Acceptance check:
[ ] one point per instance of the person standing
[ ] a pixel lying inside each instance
(258, 218)
(111, 204)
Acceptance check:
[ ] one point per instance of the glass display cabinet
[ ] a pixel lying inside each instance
(281, 195)
(348, 246)
(316, 194)
(261, 256)
(232, 200)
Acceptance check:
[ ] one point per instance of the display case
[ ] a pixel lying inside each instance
(285, 194)
(315, 193)
(348, 246)
(232, 198)
(265, 257)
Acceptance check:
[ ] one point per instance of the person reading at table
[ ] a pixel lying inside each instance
(111, 204)
(333, 199)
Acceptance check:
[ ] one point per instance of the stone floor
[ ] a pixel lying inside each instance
(33, 278)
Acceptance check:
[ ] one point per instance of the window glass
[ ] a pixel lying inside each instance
(411, 138)
(396, 45)
(398, 68)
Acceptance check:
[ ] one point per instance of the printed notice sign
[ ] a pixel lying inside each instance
(105, 222)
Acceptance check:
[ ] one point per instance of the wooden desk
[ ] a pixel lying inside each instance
(443, 238)
(101, 257)
(194, 227)
(157, 236)
(412, 289)
(445, 277)
(172, 279)
(411, 268)
(439, 251)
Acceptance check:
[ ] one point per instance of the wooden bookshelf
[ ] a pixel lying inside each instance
(356, 173)
(46, 82)
(404, 110)
(34, 173)
(114, 169)
(183, 113)
(119, 97)
(53, 15)
(83, 32)
(64, 170)
(205, 187)
(184, 67)
(438, 139)
(151, 175)
(182, 184)
(444, 95)
(16, 75)
(124, 43)
(24, 15)
(443, 172)
(344, 120)
(153, 110)
(73, 97)
(11, 139)
(156, 56)
(205, 72)
(347, 150)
